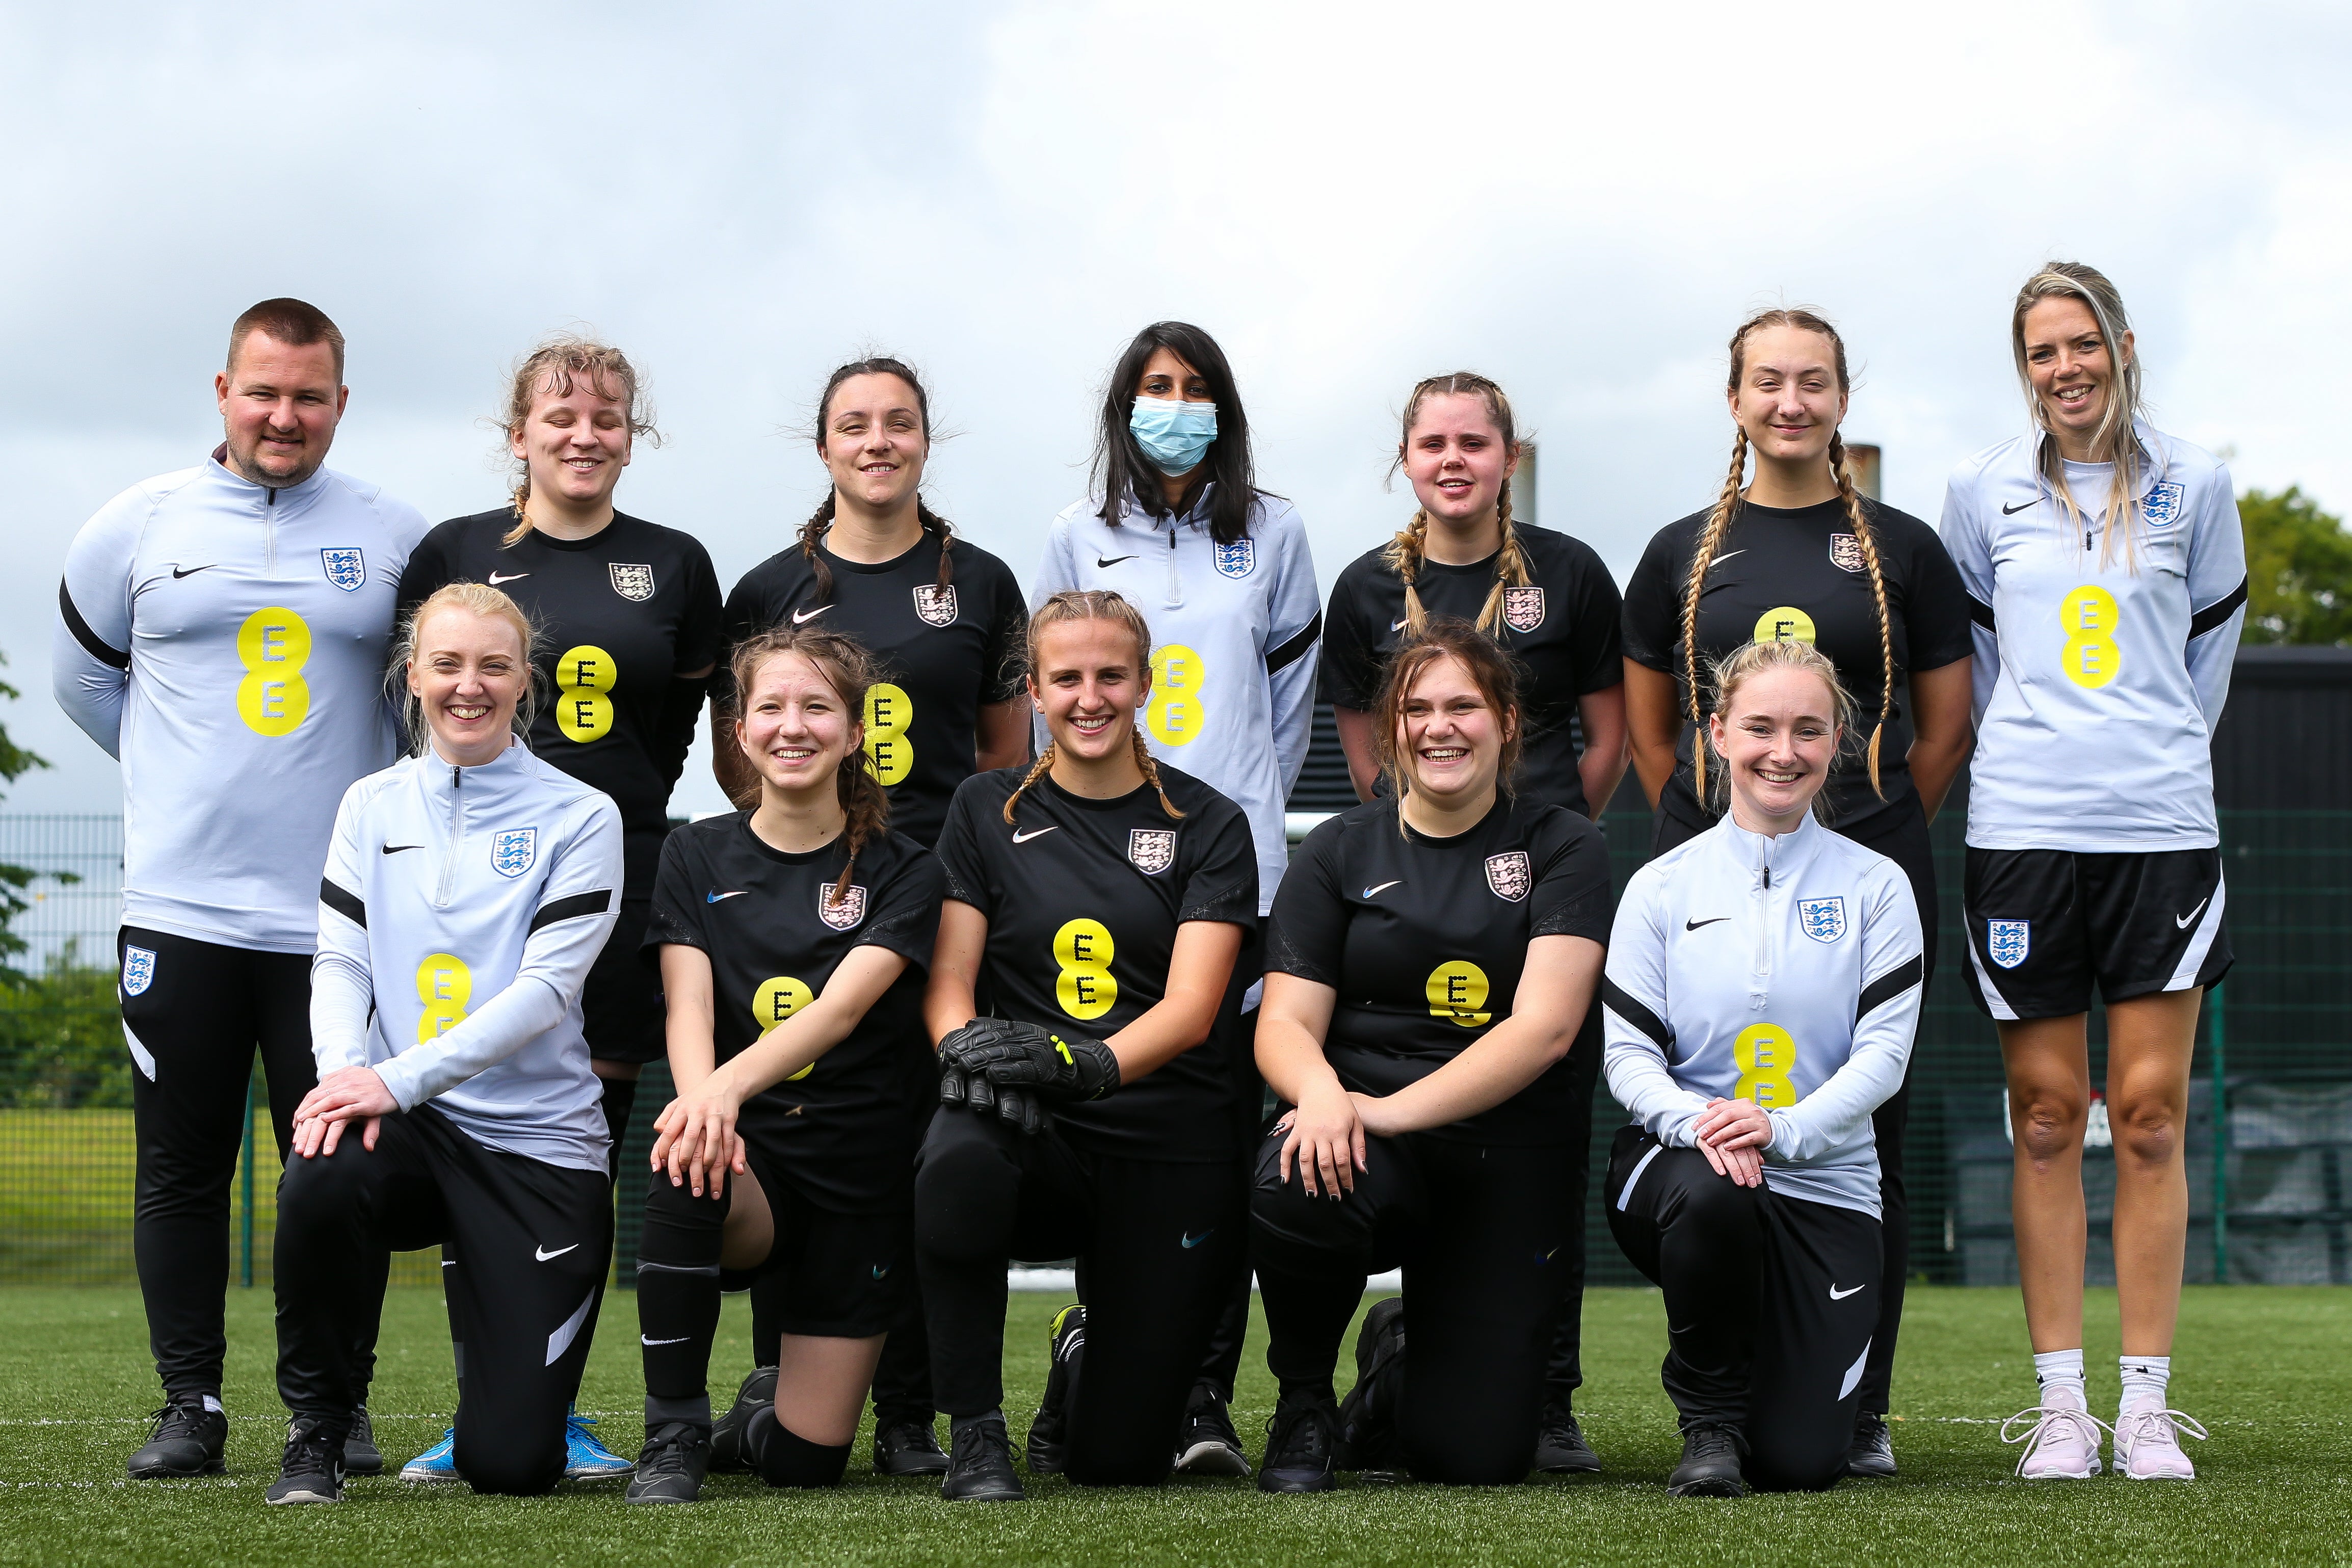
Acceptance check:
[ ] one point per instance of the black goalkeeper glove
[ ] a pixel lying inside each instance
(964, 1083)
(1056, 1067)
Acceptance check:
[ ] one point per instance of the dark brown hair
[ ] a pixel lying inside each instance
(822, 519)
(293, 322)
(1490, 670)
(1404, 551)
(1093, 604)
(848, 668)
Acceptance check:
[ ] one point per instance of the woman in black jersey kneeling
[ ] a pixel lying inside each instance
(793, 938)
(1101, 902)
(1432, 956)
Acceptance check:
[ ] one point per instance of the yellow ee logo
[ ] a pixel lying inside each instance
(1457, 990)
(888, 715)
(1084, 950)
(584, 677)
(2089, 617)
(1785, 624)
(777, 1001)
(445, 985)
(1765, 1054)
(1177, 674)
(273, 645)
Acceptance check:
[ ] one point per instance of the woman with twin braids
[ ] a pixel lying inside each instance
(1797, 554)
(944, 620)
(1546, 598)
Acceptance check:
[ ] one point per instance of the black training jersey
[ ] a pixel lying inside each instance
(622, 613)
(1561, 629)
(1782, 573)
(1424, 939)
(844, 1124)
(1083, 899)
(944, 654)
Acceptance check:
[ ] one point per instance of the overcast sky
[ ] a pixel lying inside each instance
(1580, 200)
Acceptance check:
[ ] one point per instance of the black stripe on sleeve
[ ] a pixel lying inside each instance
(2216, 615)
(1615, 999)
(1890, 985)
(1980, 613)
(1290, 652)
(343, 902)
(99, 649)
(574, 907)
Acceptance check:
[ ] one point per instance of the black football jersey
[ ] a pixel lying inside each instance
(944, 654)
(622, 613)
(1783, 573)
(844, 1126)
(1424, 940)
(1561, 629)
(1083, 899)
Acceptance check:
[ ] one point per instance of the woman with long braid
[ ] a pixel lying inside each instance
(1797, 554)
(944, 621)
(1548, 601)
(1099, 929)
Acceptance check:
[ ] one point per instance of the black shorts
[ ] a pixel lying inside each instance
(844, 1276)
(621, 1006)
(2044, 924)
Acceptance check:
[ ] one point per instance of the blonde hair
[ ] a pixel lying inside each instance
(1092, 604)
(552, 366)
(848, 668)
(2114, 442)
(1404, 552)
(1726, 506)
(1734, 670)
(488, 603)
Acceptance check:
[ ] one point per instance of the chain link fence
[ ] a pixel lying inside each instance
(2269, 1141)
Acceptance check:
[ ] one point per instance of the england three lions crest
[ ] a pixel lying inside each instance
(346, 569)
(842, 914)
(1238, 559)
(1822, 919)
(138, 970)
(1509, 874)
(514, 852)
(1523, 608)
(633, 583)
(936, 606)
(1153, 850)
(2162, 507)
(1846, 552)
(2007, 942)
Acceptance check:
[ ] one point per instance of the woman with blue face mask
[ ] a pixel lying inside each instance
(1175, 524)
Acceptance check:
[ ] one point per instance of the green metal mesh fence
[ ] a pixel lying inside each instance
(2275, 1053)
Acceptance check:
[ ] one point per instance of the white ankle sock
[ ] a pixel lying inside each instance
(2145, 1377)
(2060, 1374)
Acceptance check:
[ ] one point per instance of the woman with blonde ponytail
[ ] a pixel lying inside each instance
(1793, 552)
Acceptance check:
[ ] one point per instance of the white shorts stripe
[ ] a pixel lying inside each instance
(2207, 930)
(140, 1054)
(560, 1340)
(1995, 1003)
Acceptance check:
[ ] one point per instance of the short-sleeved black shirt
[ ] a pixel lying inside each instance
(1562, 630)
(1798, 573)
(1082, 898)
(1424, 940)
(944, 655)
(846, 1128)
(622, 612)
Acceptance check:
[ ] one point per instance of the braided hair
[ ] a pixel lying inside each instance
(1404, 552)
(1490, 669)
(848, 669)
(554, 366)
(1092, 604)
(1728, 502)
(821, 519)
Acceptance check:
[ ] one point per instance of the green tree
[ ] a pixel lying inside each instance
(15, 763)
(2298, 570)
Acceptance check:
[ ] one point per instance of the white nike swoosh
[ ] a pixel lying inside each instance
(1718, 560)
(510, 577)
(544, 1254)
(1033, 834)
(680, 1340)
(1382, 888)
(2183, 921)
(799, 616)
(1838, 1295)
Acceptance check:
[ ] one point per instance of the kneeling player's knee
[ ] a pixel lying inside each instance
(1294, 1234)
(511, 1468)
(965, 1194)
(1719, 1207)
(324, 1187)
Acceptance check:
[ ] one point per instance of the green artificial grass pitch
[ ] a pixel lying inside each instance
(2264, 1368)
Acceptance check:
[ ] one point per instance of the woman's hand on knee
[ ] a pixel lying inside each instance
(696, 1141)
(346, 1094)
(1733, 1134)
(1326, 1134)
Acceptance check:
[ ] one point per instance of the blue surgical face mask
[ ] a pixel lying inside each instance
(1175, 436)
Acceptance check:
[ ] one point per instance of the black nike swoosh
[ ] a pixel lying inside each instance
(1695, 924)
(2012, 511)
(395, 848)
(177, 573)
(1113, 560)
